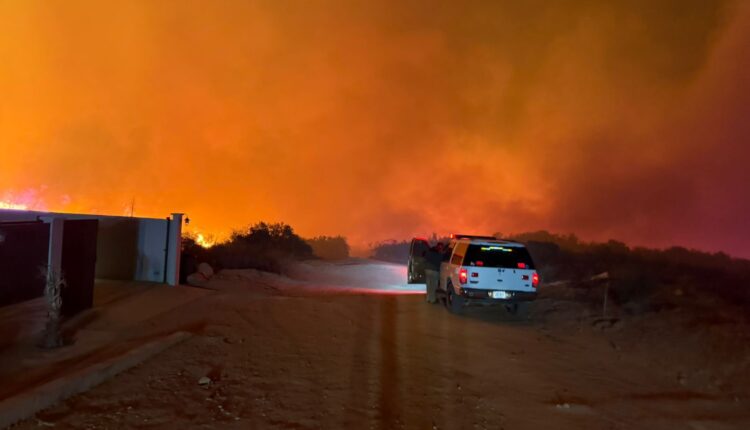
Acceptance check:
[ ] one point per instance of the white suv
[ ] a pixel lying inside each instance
(485, 270)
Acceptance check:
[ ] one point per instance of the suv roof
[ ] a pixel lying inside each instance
(483, 241)
(471, 236)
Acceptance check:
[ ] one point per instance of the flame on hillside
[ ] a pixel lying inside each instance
(24, 200)
(205, 241)
(7, 204)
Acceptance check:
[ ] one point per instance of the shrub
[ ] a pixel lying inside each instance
(391, 251)
(192, 255)
(641, 279)
(641, 276)
(261, 246)
(329, 247)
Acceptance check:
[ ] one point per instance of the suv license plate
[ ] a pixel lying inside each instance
(500, 295)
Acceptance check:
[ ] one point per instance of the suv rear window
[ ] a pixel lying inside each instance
(509, 257)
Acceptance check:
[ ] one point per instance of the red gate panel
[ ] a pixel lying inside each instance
(23, 259)
(78, 265)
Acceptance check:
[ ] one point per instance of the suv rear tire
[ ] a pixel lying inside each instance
(518, 310)
(453, 301)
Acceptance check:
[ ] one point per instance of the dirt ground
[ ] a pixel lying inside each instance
(284, 354)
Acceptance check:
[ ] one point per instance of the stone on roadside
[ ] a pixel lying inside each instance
(204, 380)
(202, 276)
(197, 279)
(206, 270)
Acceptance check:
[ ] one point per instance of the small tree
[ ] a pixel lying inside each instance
(263, 246)
(391, 251)
(329, 247)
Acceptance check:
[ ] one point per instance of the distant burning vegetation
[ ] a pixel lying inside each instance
(25, 200)
(4, 204)
(263, 246)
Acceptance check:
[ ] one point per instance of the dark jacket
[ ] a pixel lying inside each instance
(433, 259)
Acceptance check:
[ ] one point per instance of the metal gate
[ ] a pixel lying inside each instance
(24, 249)
(78, 265)
(23, 259)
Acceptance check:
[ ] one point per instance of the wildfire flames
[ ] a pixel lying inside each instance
(5, 204)
(26, 199)
(201, 240)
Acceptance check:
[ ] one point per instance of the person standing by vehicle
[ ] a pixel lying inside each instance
(433, 258)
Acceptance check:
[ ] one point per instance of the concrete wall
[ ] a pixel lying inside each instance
(117, 249)
(127, 248)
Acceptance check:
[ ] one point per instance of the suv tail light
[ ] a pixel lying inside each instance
(535, 280)
(463, 276)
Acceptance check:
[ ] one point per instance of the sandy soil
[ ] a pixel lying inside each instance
(316, 352)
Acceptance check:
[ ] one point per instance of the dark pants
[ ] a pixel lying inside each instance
(432, 278)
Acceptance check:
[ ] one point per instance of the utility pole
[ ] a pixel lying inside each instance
(132, 207)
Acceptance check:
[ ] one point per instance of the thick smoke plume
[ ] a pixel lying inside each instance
(379, 120)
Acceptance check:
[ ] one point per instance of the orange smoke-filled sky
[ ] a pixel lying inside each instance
(384, 119)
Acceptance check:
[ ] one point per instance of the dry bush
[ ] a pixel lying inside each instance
(261, 246)
(643, 279)
(329, 247)
(391, 251)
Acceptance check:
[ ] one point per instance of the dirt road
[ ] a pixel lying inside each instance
(310, 354)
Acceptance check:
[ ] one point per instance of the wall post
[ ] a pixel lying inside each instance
(174, 249)
(52, 337)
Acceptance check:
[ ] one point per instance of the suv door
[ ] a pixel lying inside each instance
(449, 269)
(415, 267)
